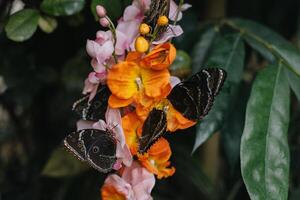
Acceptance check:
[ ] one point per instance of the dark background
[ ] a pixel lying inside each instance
(45, 75)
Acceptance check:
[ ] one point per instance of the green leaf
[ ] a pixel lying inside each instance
(228, 53)
(62, 7)
(233, 128)
(294, 82)
(47, 24)
(202, 47)
(63, 164)
(22, 25)
(113, 8)
(278, 46)
(181, 66)
(264, 147)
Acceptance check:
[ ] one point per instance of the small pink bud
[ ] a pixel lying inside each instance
(101, 12)
(104, 22)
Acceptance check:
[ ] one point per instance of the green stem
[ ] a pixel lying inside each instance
(113, 30)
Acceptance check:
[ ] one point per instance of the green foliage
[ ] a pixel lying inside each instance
(265, 155)
(22, 25)
(62, 7)
(227, 52)
(113, 8)
(181, 66)
(61, 164)
(47, 24)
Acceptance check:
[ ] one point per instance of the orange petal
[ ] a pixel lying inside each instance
(109, 192)
(130, 124)
(161, 57)
(121, 79)
(134, 56)
(155, 81)
(156, 160)
(115, 102)
(176, 120)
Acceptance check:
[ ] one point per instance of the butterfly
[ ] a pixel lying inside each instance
(96, 147)
(95, 109)
(154, 127)
(193, 98)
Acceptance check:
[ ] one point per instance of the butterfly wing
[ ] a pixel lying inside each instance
(195, 96)
(96, 147)
(154, 127)
(95, 109)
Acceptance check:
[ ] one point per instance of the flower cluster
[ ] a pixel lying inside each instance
(133, 59)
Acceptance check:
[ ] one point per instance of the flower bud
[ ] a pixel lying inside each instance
(162, 21)
(144, 29)
(101, 12)
(141, 44)
(104, 22)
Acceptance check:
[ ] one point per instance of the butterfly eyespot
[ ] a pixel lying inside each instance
(80, 144)
(95, 149)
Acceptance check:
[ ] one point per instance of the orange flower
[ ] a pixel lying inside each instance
(132, 129)
(109, 192)
(161, 57)
(175, 119)
(130, 83)
(156, 160)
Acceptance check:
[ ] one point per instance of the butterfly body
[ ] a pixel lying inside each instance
(96, 147)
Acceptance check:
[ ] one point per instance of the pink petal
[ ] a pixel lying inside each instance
(130, 29)
(98, 67)
(140, 179)
(172, 31)
(174, 10)
(100, 125)
(113, 117)
(131, 12)
(83, 124)
(93, 78)
(121, 185)
(103, 36)
(105, 51)
(174, 80)
(143, 5)
(122, 43)
(93, 48)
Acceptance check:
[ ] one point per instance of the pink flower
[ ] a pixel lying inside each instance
(92, 82)
(113, 124)
(100, 50)
(128, 26)
(136, 183)
(174, 10)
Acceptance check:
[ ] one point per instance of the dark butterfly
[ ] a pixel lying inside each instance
(157, 9)
(95, 109)
(154, 127)
(194, 97)
(96, 147)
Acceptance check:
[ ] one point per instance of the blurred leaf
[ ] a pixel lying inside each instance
(113, 8)
(202, 47)
(233, 128)
(264, 146)
(181, 67)
(277, 45)
(228, 53)
(62, 7)
(22, 25)
(294, 82)
(47, 24)
(189, 23)
(62, 164)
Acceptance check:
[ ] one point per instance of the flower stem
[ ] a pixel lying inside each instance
(113, 30)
